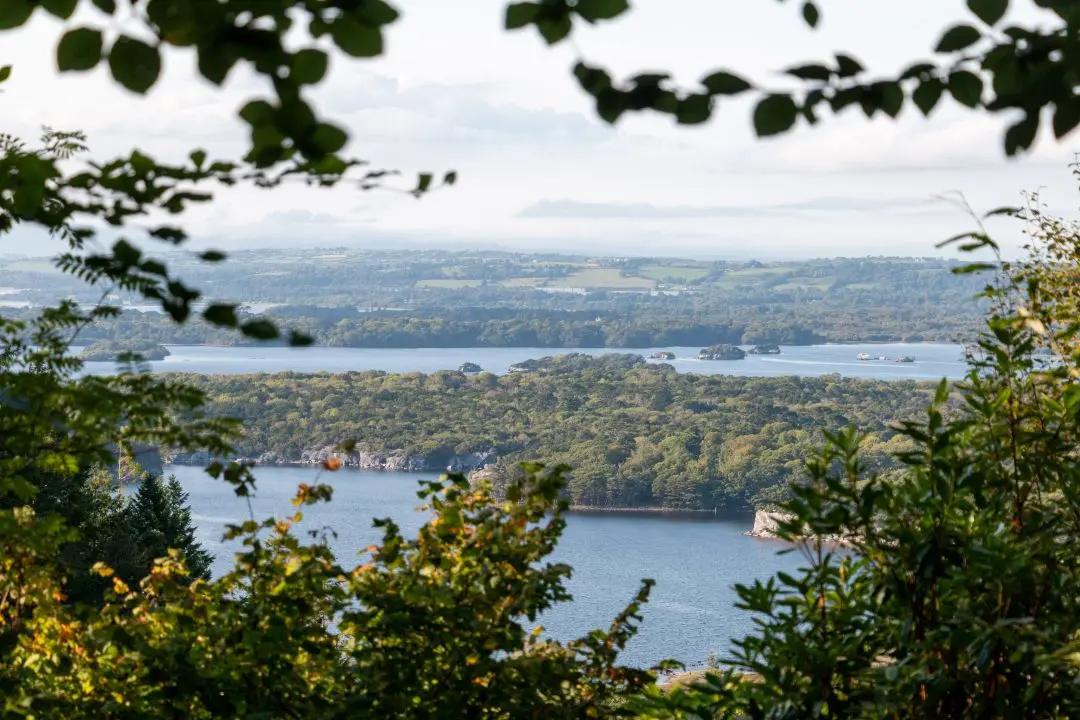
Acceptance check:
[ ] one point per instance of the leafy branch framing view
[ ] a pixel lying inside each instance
(959, 600)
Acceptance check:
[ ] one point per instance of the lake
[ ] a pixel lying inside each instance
(696, 562)
(932, 361)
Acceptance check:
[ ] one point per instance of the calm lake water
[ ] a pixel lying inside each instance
(696, 562)
(932, 361)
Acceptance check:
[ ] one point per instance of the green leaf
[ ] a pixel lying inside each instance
(216, 60)
(957, 38)
(1021, 135)
(989, 11)
(810, 72)
(423, 183)
(134, 64)
(5, 72)
(917, 70)
(329, 138)
(300, 339)
(376, 13)
(308, 66)
(79, 49)
(554, 29)
(260, 329)
(966, 88)
(847, 66)
(198, 157)
(14, 13)
(60, 8)
(610, 105)
(775, 114)
(520, 14)
(257, 112)
(221, 314)
(810, 13)
(105, 6)
(126, 253)
(928, 93)
(892, 98)
(694, 109)
(595, 10)
(449, 178)
(355, 39)
(725, 83)
(1066, 116)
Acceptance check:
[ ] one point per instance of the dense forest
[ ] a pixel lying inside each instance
(549, 328)
(636, 435)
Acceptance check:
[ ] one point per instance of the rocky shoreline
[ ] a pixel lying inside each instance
(388, 461)
(767, 522)
(478, 465)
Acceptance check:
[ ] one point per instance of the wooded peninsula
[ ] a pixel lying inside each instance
(636, 434)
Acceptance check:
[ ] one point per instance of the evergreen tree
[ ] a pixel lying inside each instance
(159, 520)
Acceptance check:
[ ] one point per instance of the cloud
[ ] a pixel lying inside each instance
(301, 217)
(572, 209)
(379, 107)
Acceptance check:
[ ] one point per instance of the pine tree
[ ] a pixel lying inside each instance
(160, 519)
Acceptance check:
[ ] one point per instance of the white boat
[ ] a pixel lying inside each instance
(862, 356)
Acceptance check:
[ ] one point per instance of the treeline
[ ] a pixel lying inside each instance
(636, 435)
(496, 327)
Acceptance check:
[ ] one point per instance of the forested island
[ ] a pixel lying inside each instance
(636, 434)
(723, 351)
(112, 350)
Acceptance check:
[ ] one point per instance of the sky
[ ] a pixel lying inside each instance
(537, 171)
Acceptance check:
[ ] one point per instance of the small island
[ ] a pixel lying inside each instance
(470, 368)
(765, 349)
(111, 350)
(722, 352)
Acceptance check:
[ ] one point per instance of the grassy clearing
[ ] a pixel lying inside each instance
(673, 273)
(822, 284)
(449, 283)
(608, 278)
(754, 272)
(523, 282)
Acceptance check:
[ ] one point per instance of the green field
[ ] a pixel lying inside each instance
(673, 273)
(449, 283)
(523, 282)
(805, 284)
(608, 278)
(756, 272)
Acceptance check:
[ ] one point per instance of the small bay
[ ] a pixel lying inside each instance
(695, 561)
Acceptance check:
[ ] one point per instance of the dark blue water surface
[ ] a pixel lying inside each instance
(695, 562)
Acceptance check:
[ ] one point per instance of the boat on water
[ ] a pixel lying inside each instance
(863, 356)
(905, 359)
